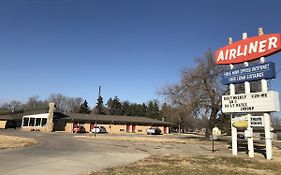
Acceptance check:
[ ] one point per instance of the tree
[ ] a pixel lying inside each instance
(60, 102)
(199, 90)
(84, 108)
(149, 112)
(99, 109)
(276, 121)
(64, 103)
(73, 104)
(115, 106)
(167, 113)
(153, 110)
(12, 106)
(126, 108)
(143, 109)
(35, 102)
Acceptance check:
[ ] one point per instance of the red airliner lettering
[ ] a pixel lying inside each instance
(249, 49)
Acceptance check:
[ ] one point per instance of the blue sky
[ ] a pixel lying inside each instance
(132, 48)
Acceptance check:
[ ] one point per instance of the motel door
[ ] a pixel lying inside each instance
(165, 130)
(133, 128)
(128, 128)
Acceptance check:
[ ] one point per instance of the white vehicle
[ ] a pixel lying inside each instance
(154, 131)
(99, 129)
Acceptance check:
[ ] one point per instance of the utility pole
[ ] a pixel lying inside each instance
(99, 95)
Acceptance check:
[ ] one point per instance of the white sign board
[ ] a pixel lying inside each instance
(256, 121)
(253, 102)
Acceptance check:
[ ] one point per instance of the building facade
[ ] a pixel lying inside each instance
(47, 120)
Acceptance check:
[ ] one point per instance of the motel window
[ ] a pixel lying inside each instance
(44, 122)
(139, 130)
(25, 121)
(31, 121)
(122, 130)
(38, 122)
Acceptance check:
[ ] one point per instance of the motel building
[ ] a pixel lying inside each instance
(48, 120)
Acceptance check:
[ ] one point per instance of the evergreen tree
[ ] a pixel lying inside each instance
(150, 109)
(99, 109)
(115, 106)
(133, 110)
(143, 110)
(156, 111)
(84, 108)
(153, 110)
(126, 108)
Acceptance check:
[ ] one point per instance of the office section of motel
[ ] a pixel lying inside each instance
(47, 120)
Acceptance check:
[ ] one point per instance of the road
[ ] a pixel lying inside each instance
(63, 154)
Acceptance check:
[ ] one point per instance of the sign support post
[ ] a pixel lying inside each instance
(249, 129)
(250, 138)
(233, 129)
(234, 139)
(268, 139)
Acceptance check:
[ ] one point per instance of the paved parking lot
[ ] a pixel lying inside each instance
(72, 154)
(62, 154)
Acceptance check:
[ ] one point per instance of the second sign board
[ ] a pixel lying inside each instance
(254, 102)
(251, 73)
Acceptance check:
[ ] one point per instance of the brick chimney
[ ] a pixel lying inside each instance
(50, 124)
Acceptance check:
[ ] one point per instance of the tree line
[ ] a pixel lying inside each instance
(79, 105)
(114, 106)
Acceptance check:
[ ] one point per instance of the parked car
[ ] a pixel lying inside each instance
(99, 129)
(79, 129)
(11, 124)
(154, 131)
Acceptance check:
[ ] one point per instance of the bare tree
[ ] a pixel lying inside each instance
(35, 102)
(276, 121)
(59, 100)
(73, 104)
(12, 106)
(199, 91)
(64, 103)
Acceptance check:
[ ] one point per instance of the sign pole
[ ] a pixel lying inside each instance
(233, 129)
(249, 129)
(250, 138)
(268, 140)
(234, 139)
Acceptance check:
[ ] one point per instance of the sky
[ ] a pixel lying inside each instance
(131, 48)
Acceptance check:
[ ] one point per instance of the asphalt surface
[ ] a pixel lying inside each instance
(63, 154)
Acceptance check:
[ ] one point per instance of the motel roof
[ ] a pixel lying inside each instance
(113, 119)
(6, 117)
(17, 115)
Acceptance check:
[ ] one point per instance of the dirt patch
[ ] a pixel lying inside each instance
(15, 142)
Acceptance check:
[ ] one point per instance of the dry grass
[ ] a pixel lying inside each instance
(199, 165)
(160, 138)
(15, 142)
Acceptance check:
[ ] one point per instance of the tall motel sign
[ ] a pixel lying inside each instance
(243, 107)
